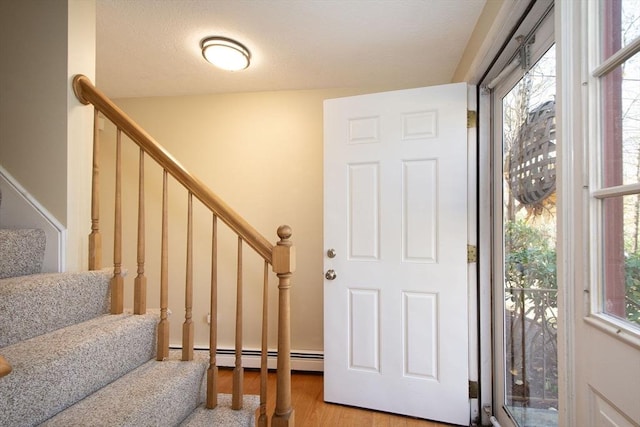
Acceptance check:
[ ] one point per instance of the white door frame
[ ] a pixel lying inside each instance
(501, 30)
(472, 240)
(568, 47)
(487, 65)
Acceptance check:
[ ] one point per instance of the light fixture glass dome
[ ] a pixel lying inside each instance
(226, 53)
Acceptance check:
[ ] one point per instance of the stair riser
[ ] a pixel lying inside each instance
(22, 252)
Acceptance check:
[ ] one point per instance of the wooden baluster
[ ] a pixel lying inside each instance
(140, 282)
(264, 368)
(163, 326)
(238, 373)
(187, 326)
(212, 372)
(283, 262)
(117, 281)
(95, 238)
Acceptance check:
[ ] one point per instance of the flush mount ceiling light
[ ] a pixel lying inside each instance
(225, 53)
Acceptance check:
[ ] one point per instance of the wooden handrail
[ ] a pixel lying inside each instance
(87, 93)
(5, 367)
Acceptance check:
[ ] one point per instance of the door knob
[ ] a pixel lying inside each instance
(330, 275)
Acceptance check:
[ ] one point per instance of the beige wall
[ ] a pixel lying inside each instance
(81, 59)
(33, 107)
(477, 44)
(45, 133)
(262, 153)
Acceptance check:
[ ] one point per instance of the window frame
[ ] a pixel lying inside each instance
(598, 192)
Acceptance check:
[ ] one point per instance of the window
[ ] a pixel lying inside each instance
(615, 195)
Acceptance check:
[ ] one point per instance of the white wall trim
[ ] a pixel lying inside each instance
(21, 210)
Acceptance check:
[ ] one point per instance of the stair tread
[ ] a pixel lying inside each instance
(223, 415)
(156, 393)
(55, 370)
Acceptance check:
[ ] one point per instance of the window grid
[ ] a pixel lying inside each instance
(616, 206)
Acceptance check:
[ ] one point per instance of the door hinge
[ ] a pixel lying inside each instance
(472, 254)
(472, 119)
(473, 389)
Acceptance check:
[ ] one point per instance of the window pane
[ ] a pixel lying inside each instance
(621, 124)
(621, 257)
(620, 25)
(630, 20)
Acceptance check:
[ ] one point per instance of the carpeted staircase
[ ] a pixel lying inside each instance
(76, 365)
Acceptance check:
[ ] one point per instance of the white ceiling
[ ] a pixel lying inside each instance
(152, 47)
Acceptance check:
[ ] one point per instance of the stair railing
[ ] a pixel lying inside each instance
(280, 256)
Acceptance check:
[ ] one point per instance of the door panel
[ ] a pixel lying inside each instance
(396, 317)
(364, 212)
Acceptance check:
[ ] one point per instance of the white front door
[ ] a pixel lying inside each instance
(395, 231)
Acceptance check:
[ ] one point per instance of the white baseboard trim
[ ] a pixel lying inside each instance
(300, 360)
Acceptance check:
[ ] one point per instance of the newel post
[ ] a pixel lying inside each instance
(284, 264)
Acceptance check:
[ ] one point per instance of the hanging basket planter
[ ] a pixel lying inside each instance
(532, 157)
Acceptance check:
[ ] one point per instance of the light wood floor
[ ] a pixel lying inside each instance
(311, 410)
